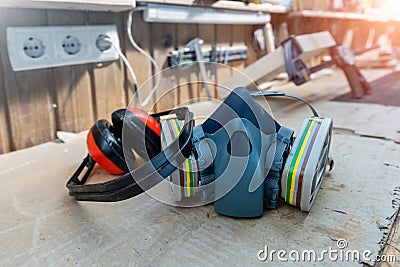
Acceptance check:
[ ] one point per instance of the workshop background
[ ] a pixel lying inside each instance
(35, 104)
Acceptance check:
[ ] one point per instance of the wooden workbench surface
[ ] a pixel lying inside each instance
(42, 225)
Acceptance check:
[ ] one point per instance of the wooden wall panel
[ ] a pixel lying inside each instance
(396, 34)
(108, 78)
(4, 120)
(238, 38)
(243, 35)
(28, 93)
(206, 32)
(188, 88)
(252, 53)
(163, 39)
(72, 84)
(35, 104)
(224, 38)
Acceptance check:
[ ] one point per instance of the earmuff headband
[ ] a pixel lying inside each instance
(144, 177)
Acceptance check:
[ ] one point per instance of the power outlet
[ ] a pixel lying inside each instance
(71, 45)
(53, 46)
(33, 47)
(22, 51)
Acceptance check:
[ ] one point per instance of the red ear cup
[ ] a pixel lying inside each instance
(142, 133)
(105, 148)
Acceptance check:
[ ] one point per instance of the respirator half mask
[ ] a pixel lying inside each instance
(240, 158)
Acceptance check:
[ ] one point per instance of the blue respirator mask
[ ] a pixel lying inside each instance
(240, 158)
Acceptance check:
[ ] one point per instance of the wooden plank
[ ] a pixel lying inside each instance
(98, 5)
(188, 88)
(4, 120)
(272, 64)
(27, 92)
(108, 78)
(72, 84)
(206, 32)
(141, 32)
(224, 38)
(163, 39)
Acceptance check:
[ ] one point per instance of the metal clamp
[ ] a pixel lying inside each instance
(294, 65)
(341, 55)
(213, 54)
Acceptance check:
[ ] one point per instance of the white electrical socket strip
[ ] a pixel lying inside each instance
(52, 46)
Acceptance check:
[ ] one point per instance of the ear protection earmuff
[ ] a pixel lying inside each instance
(135, 181)
(104, 140)
(142, 131)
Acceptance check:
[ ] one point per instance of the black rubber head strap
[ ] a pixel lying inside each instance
(143, 177)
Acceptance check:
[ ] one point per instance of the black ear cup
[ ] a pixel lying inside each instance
(104, 141)
(142, 131)
(135, 181)
(105, 149)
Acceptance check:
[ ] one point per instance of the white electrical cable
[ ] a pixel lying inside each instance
(126, 62)
(135, 45)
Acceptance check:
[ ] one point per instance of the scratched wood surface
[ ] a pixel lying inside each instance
(224, 38)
